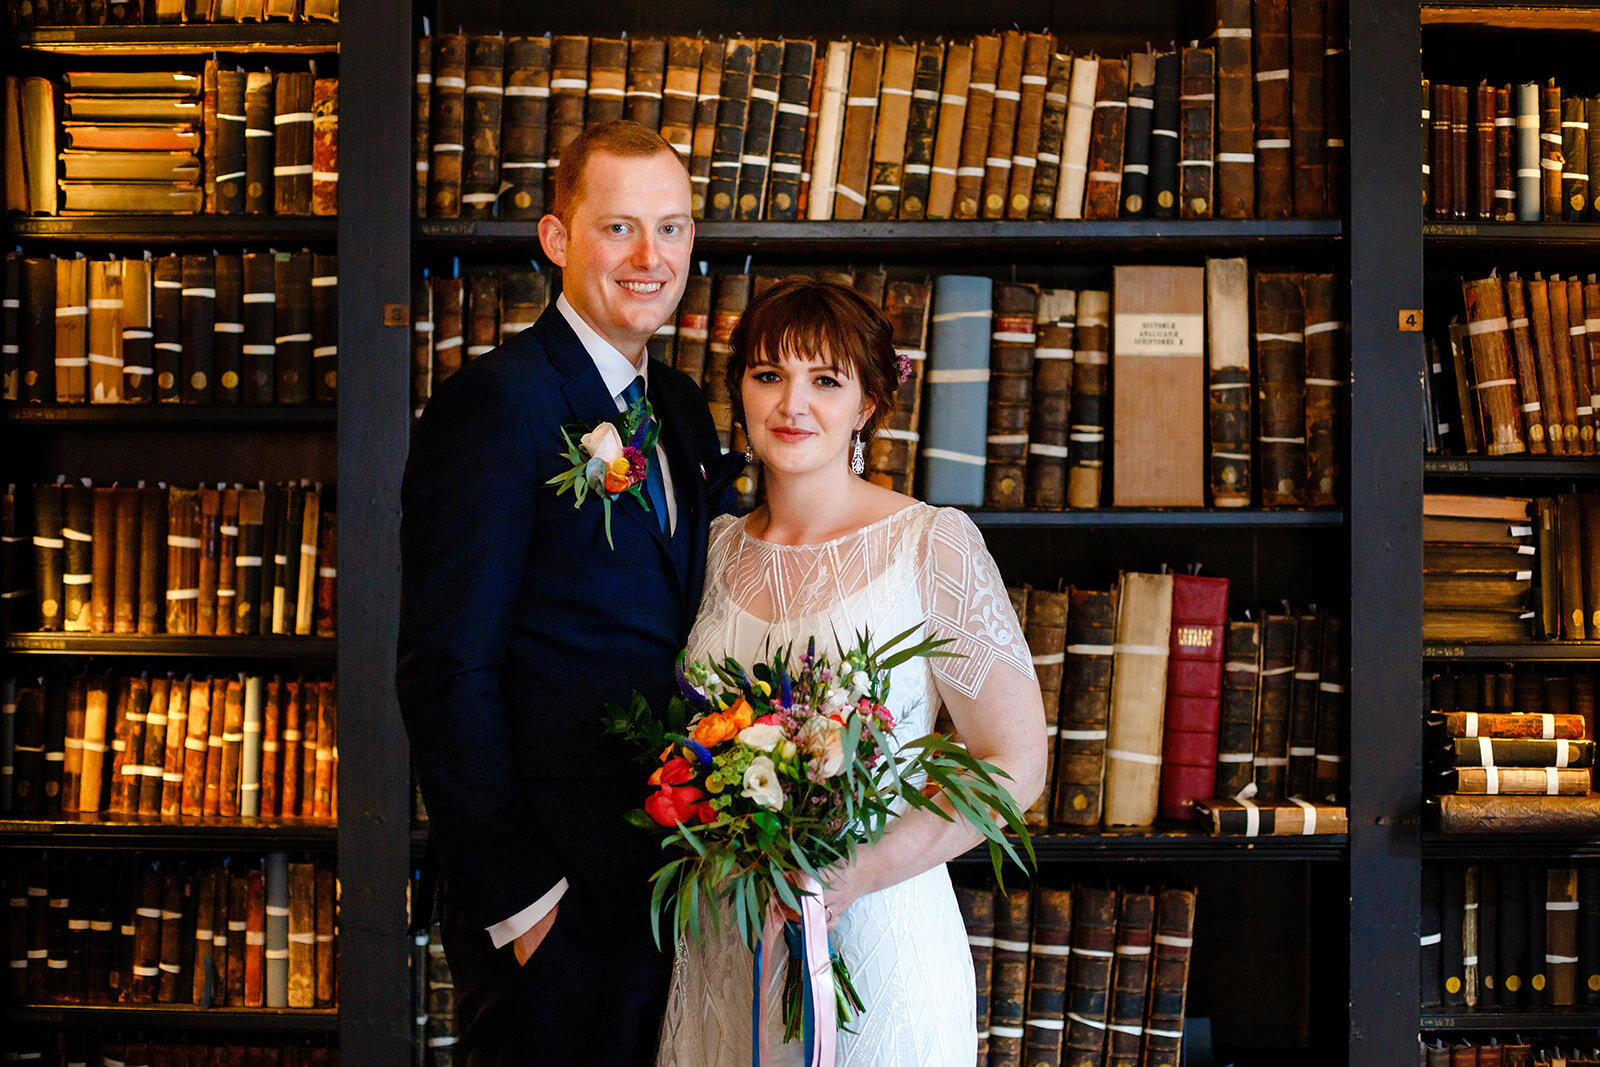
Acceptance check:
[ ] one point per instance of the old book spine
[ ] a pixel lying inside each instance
(789, 130)
(238, 934)
(285, 570)
(183, 560)
(958, 346)
(422, 124)
(216, 746)
(977, 906)
(1010, 387)
(421, 344)
(1049, 957)
(1235, 115)
(608, 81)
(1326, 380)
(1307, 106)
(255, 938)
(258, 350)
(569, 91)
(292, 326)
(324, 327)
(976, 135)
(214, 991)
(1130, 980)
(1280, 362)
(271, 715)
(291, 141)
(1483, 116)
(1194, 693)
(891, 459)
(1196, 119)
(1278, 636)
(1046, 633)
(147, 937)
(1094, 939)
(275, 978)
(1228, 381)
(1492, 365)
(326, 943)
(324, 797)
(1521, 752)
(483, 314)
(732, 294)
(77, 577)
(680, 89)
(1550, 159)
(1274, 110)
(1141, 119)
(1169, 977)
(1561, 936)
(809, 151)
(647, 73)
(1303, 705)
(1159, 371)
(1541, 400)
(1138, 688)
(102, 559)
(694, 321)
(1090, 399)
(36, 370)
(1008, 989)
(103, 332)
(1103, 191)
(1085, 707)
(201, 977)
(1048, 427)
(1560, 350)
(1529, 200)
(197, 746)
(1590, 358)
(303, 591)
(708, 101)
(755, 160)
(172, 763)
(920, 129)
(447, 131)
(231, 136)
(49, 555)
(1003, 125)
(248, 563)
(1237, 720)
(71, 331)
(152, 760)
(1505, 125)
(1076, 140)
(449, 326)
(210, 558)
(232, 748)
(951, 130)
(1578, 351)
(1522, 781)
(887, 168)
(176, 888)
(302, 936)
(856, 137)
(732, 117)
(1441, 184)
(198, 298)
(483, 104)
(133, 726)
(325, 147)
(292, 743)
(526, 117)
(1052, 137)
(310, 745)
(29, 747)
(227, 328)
(1333, 713)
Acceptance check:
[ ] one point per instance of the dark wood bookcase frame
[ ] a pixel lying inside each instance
(1374, 871)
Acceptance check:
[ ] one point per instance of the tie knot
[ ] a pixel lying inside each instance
(634, 392)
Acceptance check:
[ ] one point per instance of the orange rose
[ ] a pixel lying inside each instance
(715, 728)
(616, 483)
(740, 713)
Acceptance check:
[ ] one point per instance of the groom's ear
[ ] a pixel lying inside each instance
(553, 239)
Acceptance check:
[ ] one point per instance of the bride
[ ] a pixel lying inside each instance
(813, 368)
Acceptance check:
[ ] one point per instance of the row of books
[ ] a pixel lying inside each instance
(243, 931)
(1510, 152)
(221, 140)
(170, 747)
(1155, 700)
(1513, 1052)
(1028, 396)
(433, 1001)
(1523, 372)
(216, 560)
(196, 328)
(70, 1048)
(1086, 976)
(26, 13)
(997, 126)
(1509, 935)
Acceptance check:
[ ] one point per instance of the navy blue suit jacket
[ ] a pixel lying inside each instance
(518, 624)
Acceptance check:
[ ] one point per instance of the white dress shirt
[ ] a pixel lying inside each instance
(618, 372)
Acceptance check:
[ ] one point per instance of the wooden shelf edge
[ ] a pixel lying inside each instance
(1187, 517)
(1518, 15)
(1521, 650)
(170, 645)
(1495, 234)
(182, 39)
(1513, 1019)
(1176, 845)
(1510, 466)
(213, 834)
(253, 416)
(178, 1017)
(170, 229)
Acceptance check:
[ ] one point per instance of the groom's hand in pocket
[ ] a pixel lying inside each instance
(525, 946)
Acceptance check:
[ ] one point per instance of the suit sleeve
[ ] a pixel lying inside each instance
(721, 469)
(469, 504)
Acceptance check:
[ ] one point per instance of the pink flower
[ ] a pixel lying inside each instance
(603, 443)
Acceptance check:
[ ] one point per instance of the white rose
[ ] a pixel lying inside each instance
(860, 685)
(835, 701)
(603, 443)
(820, 738)
(761, 783)
(762, 735)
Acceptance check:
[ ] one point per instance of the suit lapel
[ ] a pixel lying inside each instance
(688, 486)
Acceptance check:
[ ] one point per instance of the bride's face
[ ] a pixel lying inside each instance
(801, 413)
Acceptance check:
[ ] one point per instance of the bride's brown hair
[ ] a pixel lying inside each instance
(816, 320)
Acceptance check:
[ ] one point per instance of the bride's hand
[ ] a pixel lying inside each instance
(837, 895)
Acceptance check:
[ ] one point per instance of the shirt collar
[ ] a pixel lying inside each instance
(616, 369)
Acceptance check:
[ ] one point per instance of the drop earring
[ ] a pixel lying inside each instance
(858, 461)
(749, 452)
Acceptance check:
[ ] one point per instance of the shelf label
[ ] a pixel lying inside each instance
(397, 315)
(1445, 466)
(1443, 651)
(1410, 320)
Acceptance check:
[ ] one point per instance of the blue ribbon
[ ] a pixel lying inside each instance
(808, 1007)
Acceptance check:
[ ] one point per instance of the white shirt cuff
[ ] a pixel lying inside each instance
(508, 930)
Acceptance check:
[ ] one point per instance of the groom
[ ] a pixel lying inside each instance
(519, 623)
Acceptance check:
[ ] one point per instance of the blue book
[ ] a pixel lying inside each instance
(957, 391)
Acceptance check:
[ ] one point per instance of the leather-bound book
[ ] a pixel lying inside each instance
(1590, 299)
(1240, 690)
(36, 370)
(1159, 368)
(201, 983)
(325, 147)
(16, 590)
(708, 102)
(238, 934)
(1103, 191)
(1430, 938)
(1046, 632)
(921, 121)
(276, 931)
(1196, 119)
(971, 165)
(951, 131)
(755, 159)
(302, 936)
(888, 149)
(286, 575)
(1138, 691)
(680, 90)
(1010, 388)
(227, 352)
(1568, 567)
(49, 554)
(1228, 379)
(856, 137)
(978, 915)
(197, 746)
(1589, 533)
(1548, 312)
(324, 327)
(327, 903)
(1094, 942)
(1578, 353)
(483, 314)
(145, 795)
(225, 156)
(198, 297)
(176, 889)
(1278, 636)
(1136, 189)
(789, 130)
(1535, 379)
(102, 559)
(146, 977)
(608, 81)
(271, 719)
(1130, 980)
(248, 563)
(1076, 138)
(1169, 977)
(1044, 1022)
(1333, 713)
(526, 119)
(183, 560)
(1504, 208)
(1550, 163)
(1004, 124)
(292, 329)
(1536, 914)
(449, 326)
(1548, 726)
(957, 373)
(304, 545)
(694, 322)
(1090, 384)
(1326, 379)
(892, 456)
(98, 725)
(71, 331)
(28, 750)
(1561, 936)
(259, 143)
(1280, 375)
(77, 576)
(217, 746)
(1274, 111)
(647, 75)
(1161, 187)
(421, 344)
(1521, 781)
(255, 938)
(809, 145)
(1307, 106)
(324, 797)
(289, 799)
(1235, 114)
(732, 295)
(214, 990)
(259, 349)
(1052, 137)
(1336, 97)
(1303, 694)
(103, 332)
(1520, 752)
(1194, 693)
(1008, 989)
(1482, 135)
(310, 745)
(569, 90)
(447, 132)
(732, 114)
(421, 124)
(133, 726)
(232, 748)
(1055, 326)
(175, 748)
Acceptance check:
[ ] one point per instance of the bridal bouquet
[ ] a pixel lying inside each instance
(767, 775)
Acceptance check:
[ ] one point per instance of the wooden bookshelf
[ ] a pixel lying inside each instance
(183, 834)
(177, 1017)
(199, 229)
(45, 416)
(177, 645)
(182, 39)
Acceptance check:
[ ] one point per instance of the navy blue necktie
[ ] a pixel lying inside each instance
(655, 485)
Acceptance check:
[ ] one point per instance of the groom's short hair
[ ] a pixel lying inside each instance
(621, 137)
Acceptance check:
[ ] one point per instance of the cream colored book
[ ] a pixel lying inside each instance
(1138, 699)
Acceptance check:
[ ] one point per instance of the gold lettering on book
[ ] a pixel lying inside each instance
(1195, 636)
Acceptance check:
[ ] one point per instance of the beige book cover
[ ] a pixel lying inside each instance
(1159, 393)
(1138, 699)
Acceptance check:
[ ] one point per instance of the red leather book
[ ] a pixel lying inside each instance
(1194, 693)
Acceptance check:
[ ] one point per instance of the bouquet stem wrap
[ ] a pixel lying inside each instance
(809, 945)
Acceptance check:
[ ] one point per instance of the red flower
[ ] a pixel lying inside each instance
(706, 812)
(673, 804)
(675, 771)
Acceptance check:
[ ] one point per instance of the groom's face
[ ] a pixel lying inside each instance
(624, 246)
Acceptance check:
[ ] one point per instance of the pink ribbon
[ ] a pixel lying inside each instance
(817, 963)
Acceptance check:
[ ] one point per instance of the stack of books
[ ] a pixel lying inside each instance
(433, 997)
(1514, 1051)
(26, 13)
(1477, 559)
(129, 142)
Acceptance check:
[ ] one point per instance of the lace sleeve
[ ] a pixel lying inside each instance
(967, 602)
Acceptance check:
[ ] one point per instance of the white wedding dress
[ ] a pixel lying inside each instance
(905, 946)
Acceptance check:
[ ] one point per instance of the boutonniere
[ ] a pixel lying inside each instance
(609, 460)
